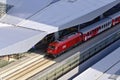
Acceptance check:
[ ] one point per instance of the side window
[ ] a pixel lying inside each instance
(102, 26)
(88, 34)
(91, 31)
(105, 24)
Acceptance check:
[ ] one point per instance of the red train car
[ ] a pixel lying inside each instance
(115, 18)
(57, 47)
(96, 28)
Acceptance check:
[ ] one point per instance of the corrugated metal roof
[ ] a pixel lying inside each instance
(23, 9)
(64, 11)
(62, 14)
(65, 14)
(112, 74)
(18, 40)
(105, 69)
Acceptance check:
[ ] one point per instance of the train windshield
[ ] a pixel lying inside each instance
(51, 47)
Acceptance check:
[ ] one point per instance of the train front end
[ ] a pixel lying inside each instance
(52, 49)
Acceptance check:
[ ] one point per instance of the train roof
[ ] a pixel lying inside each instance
(97, 24)
(93, 26)
(106, 69)
(54, 15)
(115, 15)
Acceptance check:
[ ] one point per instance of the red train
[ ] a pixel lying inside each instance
(57, 47)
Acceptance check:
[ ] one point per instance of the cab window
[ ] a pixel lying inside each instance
(51, 47)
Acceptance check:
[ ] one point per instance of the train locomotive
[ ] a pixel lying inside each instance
(57, 47)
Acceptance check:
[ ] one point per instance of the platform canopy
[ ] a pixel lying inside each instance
(31, 20)
(18, 40)
(107, 68)
(54, 15)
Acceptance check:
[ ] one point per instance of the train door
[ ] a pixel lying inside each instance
(95, 31)
(116, 21)
(85, 37)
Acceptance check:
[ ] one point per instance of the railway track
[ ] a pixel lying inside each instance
(30, 70)
(15, 67)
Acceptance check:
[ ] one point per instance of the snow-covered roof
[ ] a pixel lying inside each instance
(59, 15)
(106, 69)
(18, 40)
